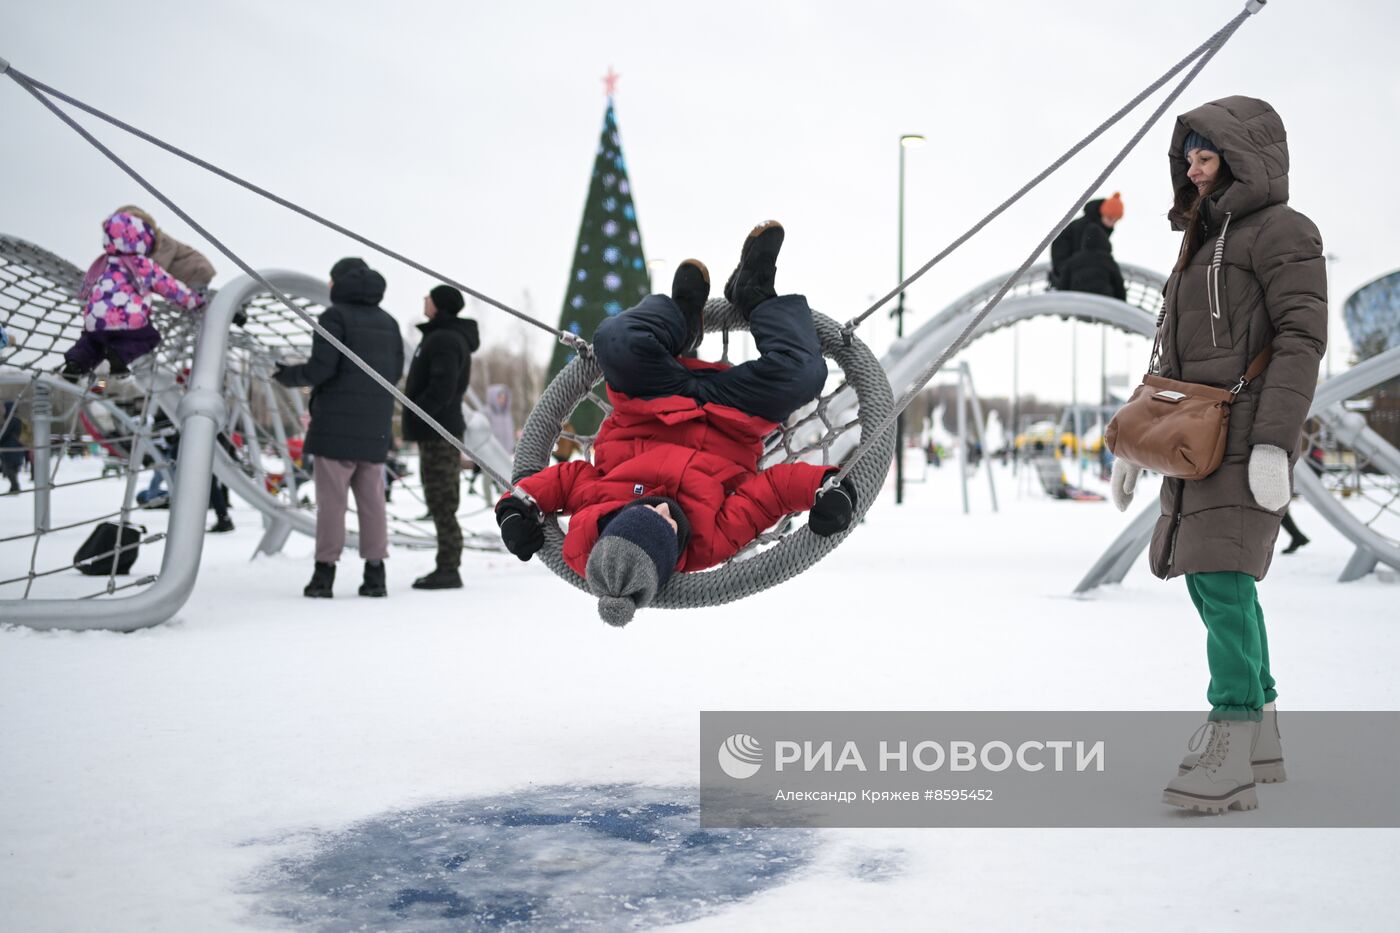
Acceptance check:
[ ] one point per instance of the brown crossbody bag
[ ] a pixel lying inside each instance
(1177, 428)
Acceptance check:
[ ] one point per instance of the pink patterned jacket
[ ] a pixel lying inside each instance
(117, 284)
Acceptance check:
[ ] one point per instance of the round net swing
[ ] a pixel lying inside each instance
(789, 547)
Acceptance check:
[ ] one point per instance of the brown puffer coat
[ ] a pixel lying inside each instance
(183, 262)
(1272, 292)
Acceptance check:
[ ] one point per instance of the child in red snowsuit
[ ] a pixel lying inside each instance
(675, 482)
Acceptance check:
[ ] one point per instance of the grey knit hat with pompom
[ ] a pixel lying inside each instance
(631, 561)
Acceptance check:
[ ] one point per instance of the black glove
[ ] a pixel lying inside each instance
(279, 372)
(520, 527)
(240, 318)
(831, 513)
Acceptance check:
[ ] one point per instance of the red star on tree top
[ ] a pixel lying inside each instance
(610, 81)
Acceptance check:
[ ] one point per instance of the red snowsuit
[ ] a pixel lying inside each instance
(705, 456)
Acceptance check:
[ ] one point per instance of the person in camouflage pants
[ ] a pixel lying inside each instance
(437, 379)
(441, 467)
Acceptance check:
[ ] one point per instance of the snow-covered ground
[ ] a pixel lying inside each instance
(163, 780)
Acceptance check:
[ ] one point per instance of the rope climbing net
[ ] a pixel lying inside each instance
(84, 443)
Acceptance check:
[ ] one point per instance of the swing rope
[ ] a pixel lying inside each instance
(571, 340)
(1202, 56)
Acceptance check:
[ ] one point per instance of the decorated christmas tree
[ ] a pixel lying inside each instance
(610, 269)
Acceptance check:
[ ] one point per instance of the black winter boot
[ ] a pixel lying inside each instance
(222, 525)
(373, 584)
(321, 581)
(752, 281)
(690, 289)
(116, 365)
(443, 578)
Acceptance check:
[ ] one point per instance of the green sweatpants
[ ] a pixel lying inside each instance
(1237, 647)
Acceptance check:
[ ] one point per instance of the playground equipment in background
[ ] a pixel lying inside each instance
(207, 378)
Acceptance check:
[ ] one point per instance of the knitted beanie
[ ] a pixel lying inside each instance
(1112, 208)
(1195, 140)
(447, 300)
(635, 554)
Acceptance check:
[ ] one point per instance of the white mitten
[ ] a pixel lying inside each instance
(1123, 482)
(1268, 476)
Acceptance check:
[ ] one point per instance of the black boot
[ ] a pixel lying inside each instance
(373, 584)
(443, 578)
(1297, 542)
(752, 281)
(72, 372)
(222, 525)
(321, 581)
(116, 366)
(690, 289)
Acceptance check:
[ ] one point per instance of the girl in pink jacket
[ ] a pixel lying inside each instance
(116, 316)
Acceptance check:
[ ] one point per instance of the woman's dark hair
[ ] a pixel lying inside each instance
(1187, 211)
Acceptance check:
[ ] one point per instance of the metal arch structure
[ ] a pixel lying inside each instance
(1143, 286)
(1032, 297)
(202, 377)
(1348, 428)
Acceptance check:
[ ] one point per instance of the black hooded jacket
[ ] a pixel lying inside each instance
(439, 375)
(1081, 258)
(351, 415)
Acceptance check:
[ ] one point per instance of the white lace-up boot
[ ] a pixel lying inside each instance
(1222, 778)
(1267, 757)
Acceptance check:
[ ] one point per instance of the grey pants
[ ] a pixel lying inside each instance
(335, 479)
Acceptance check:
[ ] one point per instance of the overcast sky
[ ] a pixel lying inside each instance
(463, 134)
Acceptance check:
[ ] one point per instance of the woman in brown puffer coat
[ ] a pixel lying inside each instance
(1250, 276)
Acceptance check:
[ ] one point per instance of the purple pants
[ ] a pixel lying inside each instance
(335, 480)
(94, 346)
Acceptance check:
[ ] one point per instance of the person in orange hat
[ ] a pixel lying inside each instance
(1111, 210)
(1081, 258)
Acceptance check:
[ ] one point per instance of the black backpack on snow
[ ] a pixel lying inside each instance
(96, 554)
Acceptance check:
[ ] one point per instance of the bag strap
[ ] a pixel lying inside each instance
(1255, 369)
(1154, 362)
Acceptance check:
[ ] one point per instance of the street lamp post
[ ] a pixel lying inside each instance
(907, 141)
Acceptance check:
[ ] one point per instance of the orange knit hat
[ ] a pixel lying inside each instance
(1112, 208)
